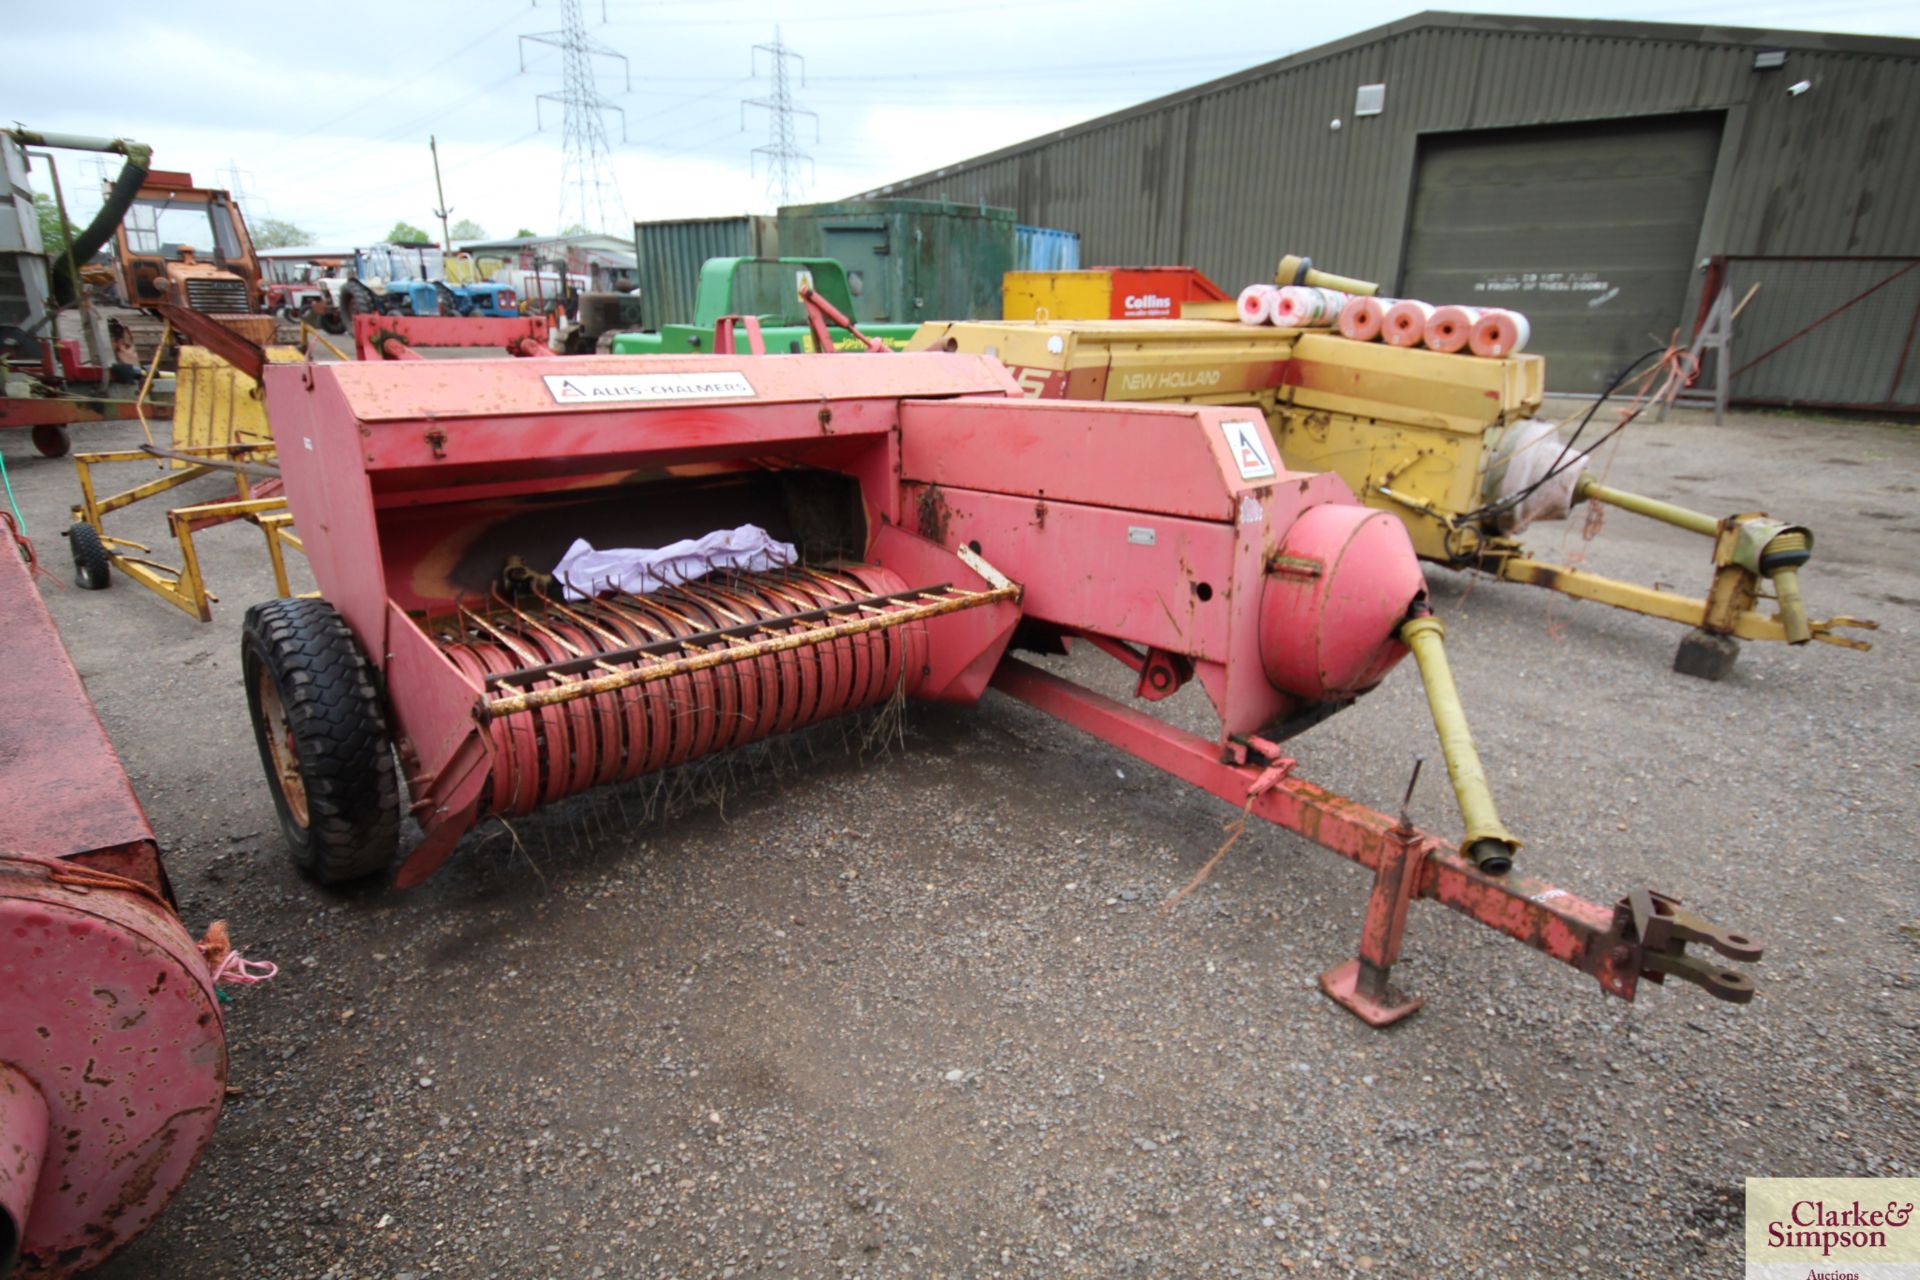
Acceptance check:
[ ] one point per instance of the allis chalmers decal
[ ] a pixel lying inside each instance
(611, 388)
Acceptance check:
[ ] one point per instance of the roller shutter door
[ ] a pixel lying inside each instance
(1588, 229)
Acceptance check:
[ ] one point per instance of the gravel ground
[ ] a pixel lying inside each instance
(920, 1013)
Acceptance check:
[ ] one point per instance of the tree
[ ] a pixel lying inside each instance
(278, 233)
(524, 233)
(406, 233)
(575, 229)
(467, 229)
(55, 232)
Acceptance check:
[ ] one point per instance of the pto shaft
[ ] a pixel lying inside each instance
(1487, 842)
(1781, 560)
(1654, 509)
(1294, 269)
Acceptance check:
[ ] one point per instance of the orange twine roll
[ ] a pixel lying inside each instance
(1449, 329)
(1405, 324)
(1500, 333)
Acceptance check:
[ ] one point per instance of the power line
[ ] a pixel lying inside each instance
(355, 149)
(867, 19)
(1028, 73)
(588, 189)
(410, 81)
(240, 187)
(782, 152)
(687, 102)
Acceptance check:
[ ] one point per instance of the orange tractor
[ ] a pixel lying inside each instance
(187, 246)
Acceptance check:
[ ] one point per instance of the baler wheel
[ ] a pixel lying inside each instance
(52, 440)
(322, 734)
(92, 568)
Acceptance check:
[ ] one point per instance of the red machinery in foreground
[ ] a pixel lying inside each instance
(938, 516)
(63, 391)
(113, 1058)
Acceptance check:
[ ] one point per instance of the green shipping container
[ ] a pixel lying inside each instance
(671, 254)
(908, 260)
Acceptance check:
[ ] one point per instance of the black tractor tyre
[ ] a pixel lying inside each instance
(92, 568)
(322, 734)
(357, 300)
(52, 440)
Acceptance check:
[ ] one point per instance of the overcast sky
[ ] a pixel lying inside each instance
(325, 111)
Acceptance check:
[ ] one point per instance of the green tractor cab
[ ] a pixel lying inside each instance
(768, 288)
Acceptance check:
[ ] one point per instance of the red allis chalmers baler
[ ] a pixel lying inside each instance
(938, 516)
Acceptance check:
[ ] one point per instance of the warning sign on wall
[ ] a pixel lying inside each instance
(1245, 441)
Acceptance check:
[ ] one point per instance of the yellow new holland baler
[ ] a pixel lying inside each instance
(1426, 435)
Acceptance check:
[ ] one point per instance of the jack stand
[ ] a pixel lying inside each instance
(1706, 655)
(1363, 985)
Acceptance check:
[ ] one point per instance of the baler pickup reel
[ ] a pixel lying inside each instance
(1171, 538)
(594, 673)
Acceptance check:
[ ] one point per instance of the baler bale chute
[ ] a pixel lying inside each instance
(935, 513)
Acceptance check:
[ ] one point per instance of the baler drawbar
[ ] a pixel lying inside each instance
(939, 519)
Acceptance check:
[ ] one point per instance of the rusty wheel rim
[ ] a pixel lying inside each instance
(286, 761)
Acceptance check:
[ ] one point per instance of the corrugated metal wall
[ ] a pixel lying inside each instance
(1866, 353)
(1229, 176)
(670, 255)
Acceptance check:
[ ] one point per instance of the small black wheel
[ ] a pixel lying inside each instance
(51, 440)
(92, 568)
(322, 734)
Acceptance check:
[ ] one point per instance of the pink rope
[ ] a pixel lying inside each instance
(241, 972)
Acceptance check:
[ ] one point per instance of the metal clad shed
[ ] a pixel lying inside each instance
(671, 253)
(908, 260)
(1230, 174)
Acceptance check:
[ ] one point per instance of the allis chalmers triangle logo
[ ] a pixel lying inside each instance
(617, 388)
(1250, 453)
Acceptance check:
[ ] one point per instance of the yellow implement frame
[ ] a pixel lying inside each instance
(219, 427)
(1411, 431)
(213, 402)
(185, 587)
